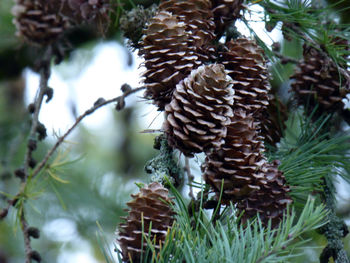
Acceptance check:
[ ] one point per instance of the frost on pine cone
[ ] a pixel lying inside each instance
(318, 81)
(271, 200)
(225, 12)
(199, 21)
(246, 65)
(200, 110)
(152, 205)
(273, 121)
(38, 22)
(169, 57)
(238, 161)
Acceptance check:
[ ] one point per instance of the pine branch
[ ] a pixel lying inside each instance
(31, 146)
(24, 173)
(227, 241)
(98, 104)
(164, 166)
(43, 87)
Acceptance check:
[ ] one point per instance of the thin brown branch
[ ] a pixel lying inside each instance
(44, 77)
(30, 253)
(27, 245)
(60, 140)
(152, 131)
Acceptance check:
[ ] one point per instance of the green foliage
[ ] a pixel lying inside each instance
(7, 28)
(311, 21)
(309, 155)
(228, 241)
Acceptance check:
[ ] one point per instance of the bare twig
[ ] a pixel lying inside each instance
(59, 141)
(152, 131)
(27, 246)
(44, 77)
(190, 177)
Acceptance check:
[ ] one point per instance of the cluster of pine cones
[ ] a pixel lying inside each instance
(216, 98)
(216, 101)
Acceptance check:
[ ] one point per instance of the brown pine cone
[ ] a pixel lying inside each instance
(273, 121)
(169, 57)
(318, 81)
(225, 12)
(238, 161)
(152, 205)
(271, 200)
(246, 65)
(200, 110)
(199, 21)
(91, 11)
(38, 22)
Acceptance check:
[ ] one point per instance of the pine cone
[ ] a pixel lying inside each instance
(169, 57)
(238, 161)
(152, 204)
(245, 64)
(271, 200)
(225, 12)
(200, 110)
(318, 81)
(88, 11)
(38, 22)
(197, 16)
(273, 121)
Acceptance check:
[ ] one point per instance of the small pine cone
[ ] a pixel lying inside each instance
(88, 11)
(200, 110)
(152, 205)
(238, 161)
(38, 22)
(246, 65)
(273, 121)
(199, 21)
(225, 12)
(318, 81)
(169, 57)
(271, 200)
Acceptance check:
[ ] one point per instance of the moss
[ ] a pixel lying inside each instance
(164, 167)
(133, 22)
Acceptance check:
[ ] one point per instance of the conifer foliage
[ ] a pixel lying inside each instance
(267, 138)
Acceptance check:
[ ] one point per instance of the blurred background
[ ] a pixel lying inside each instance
(95, 169)
(80, 204)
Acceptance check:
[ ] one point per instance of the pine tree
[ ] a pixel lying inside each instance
(260, 130)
